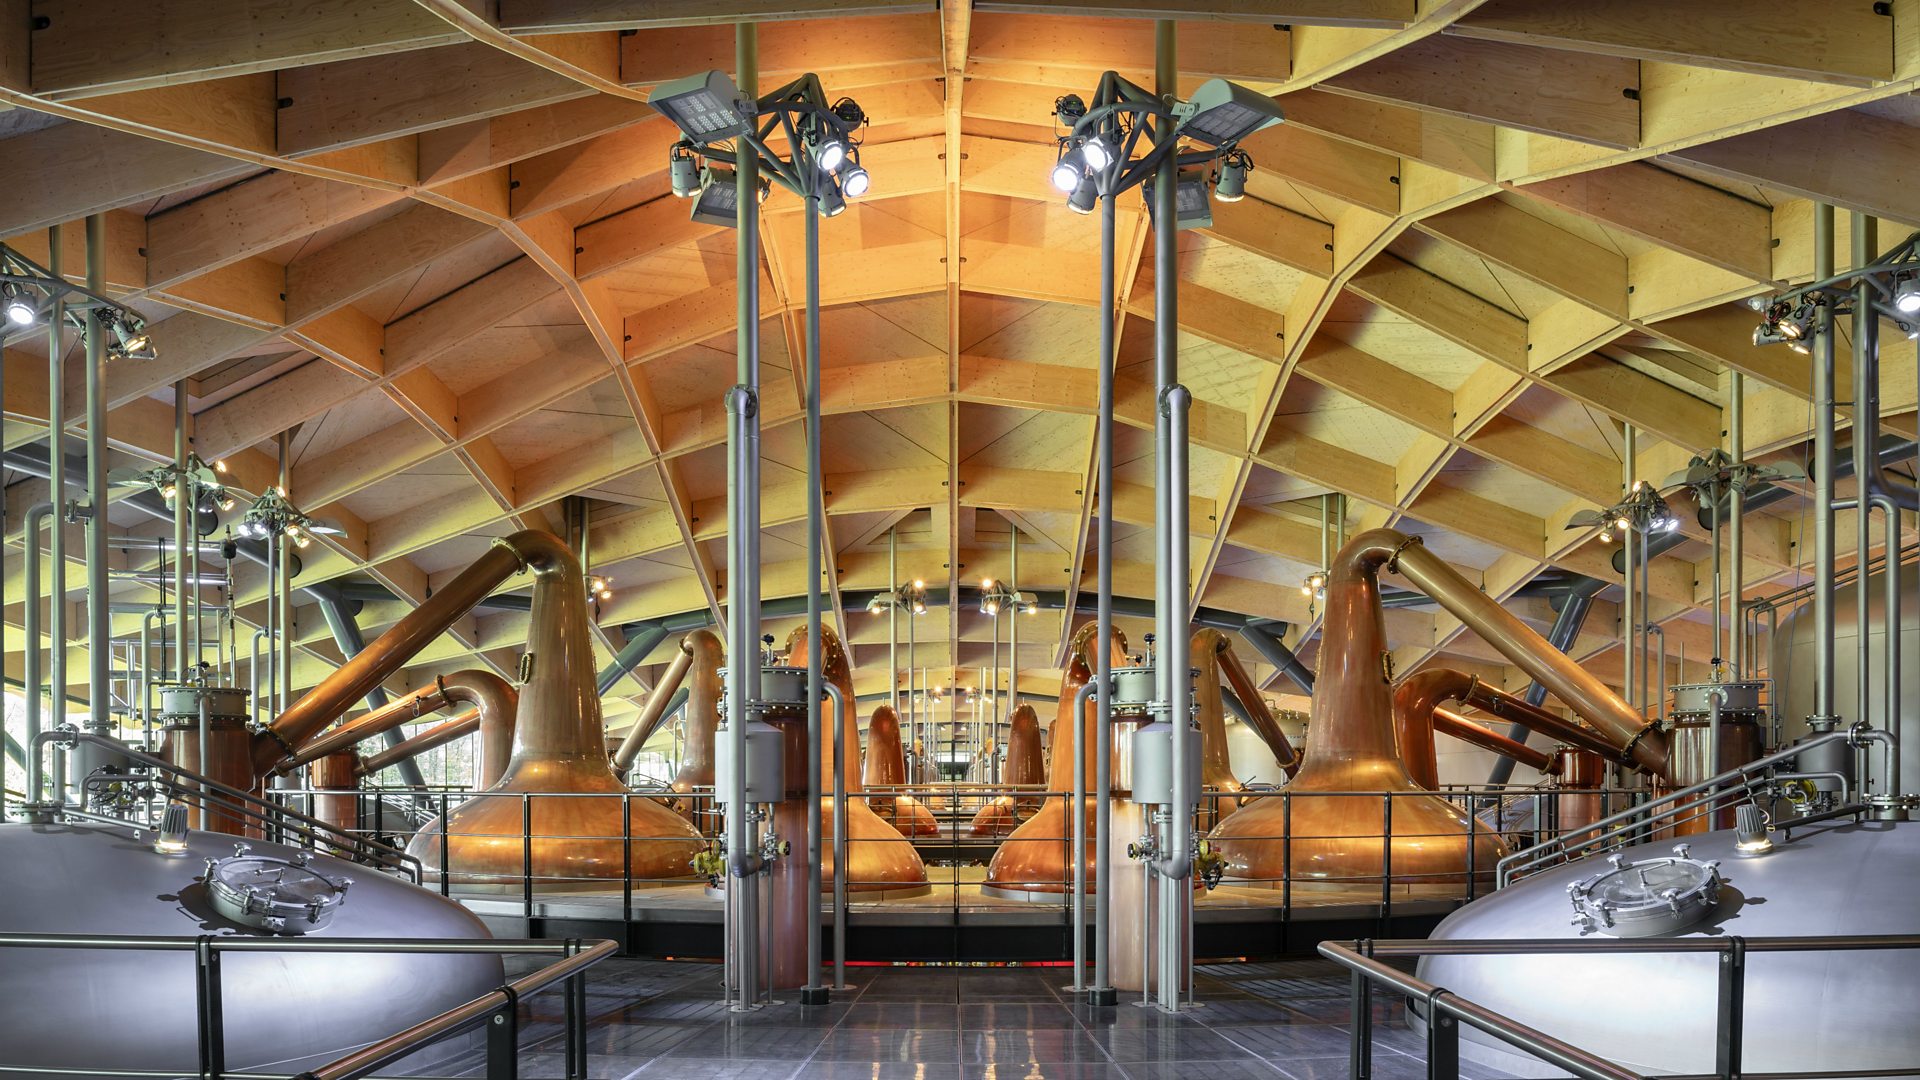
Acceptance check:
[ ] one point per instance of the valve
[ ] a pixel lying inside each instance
(1147, 847)
(773, 847)
(711, 861)
(1208, 863)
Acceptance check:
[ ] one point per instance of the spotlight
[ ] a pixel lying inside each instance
(1033, 608)
(719, 198)
(1221, 113)
(849, 112)
(1096, 152)
(1084, 196)
(683, 169)
(226, 503)
(704, 107)
(1191, 209)
(1234, 167)
(1906, 294)
(1069, 109)
(1606, 536)
(130, 335)
(1622, 524)
(828, 151)
(1068, 171)
(854, 181)
(171, 839)
(20, 310)
(832, 203)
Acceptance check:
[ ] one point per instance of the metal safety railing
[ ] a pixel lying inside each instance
(137, 795)
(497, 1010)
(1692, 803)
(1446, 1012)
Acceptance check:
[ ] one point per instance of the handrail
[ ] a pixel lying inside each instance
(1443, 1046)
(500, 1004)
(1443, 1003)
(1737, 782)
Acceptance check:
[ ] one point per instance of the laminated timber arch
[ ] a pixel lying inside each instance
(437, 248)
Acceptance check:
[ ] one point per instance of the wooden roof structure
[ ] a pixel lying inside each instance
(431, 242)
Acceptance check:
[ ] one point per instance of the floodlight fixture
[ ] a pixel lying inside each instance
(683, 169)
(1083, 197)
(130, 339)
(1906, 294)
(20, 309)
(1191, 209)
(828, 150)
(1232, 183)
(705, 107)
(854, 181)
(832, 203)
(1068, 171)
(718, 202)
(1221, 113)
(1096, 152)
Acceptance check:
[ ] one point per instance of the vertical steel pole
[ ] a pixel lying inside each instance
(1630, 601)
(743, 527)
(1823, 467)
(1736, 539)
(840, 706)
(1103, 992)
(1171, 422)
(893, 619)
(99, 632)
(813, 992)
(283, 588)
(182, 533)
(57, 479)
(1013, 652)
(36, 514)
(1863, 233)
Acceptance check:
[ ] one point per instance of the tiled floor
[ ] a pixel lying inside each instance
(1270, 1020)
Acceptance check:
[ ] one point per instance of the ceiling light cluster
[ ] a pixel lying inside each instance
(911, 598)
(1785, 321)
(718, 123)
(1643, 510)
(273, 515)
(1094, 152)
(1314, 587)
(997, 596)
(27, 293)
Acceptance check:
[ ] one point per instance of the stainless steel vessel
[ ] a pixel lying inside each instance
(1813, 1013)
(134, 1009)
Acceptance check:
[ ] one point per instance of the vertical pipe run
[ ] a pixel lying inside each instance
(57, 480)
(1013, 649)
(815, 529)
(181, 533)
(1736, 538)
(840, 868)
(893, 619)
(1077, 834)
(37, 516)
(1823, 462)
(99, 632)
(1629, 606)
(1170, 429)
(1102, 992)
(1863, 233)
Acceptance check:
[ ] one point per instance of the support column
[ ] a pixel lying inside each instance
(814, 993)
(743, 563)
(99, 623)
(1823, 478)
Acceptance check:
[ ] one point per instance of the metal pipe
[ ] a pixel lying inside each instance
(813, 991)
(182, 534)
(99, 630)
(656, 707)
(253, 672)
(491, 694)
(1736, 527)
(1077, 836)
(841, 871)
(893, 612)
(460, 726)
(1823, 457)
(146, 666)
(1170, 524)
(1259, 717)
(1629, 603)
(743, 529)
(1866, 431)
(57, 456)
(1102, 992)
(37, 514)
(1449, 723)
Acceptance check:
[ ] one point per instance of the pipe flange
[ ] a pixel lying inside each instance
(519, 557)
(1393, 560)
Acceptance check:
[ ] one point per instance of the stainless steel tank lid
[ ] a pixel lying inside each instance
(1741, 698)
(266, 892)
(1646, 898)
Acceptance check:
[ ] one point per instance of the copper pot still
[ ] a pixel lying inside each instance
(1036, 858)
(1345, 838)
(1026, 766)
(559, 749)
(1218, 785)
(886, 766)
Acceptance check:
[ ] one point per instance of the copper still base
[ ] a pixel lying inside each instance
(1339, 838)
(1583, 774)
(1690, 757)
(576, 842)
(906, 814)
